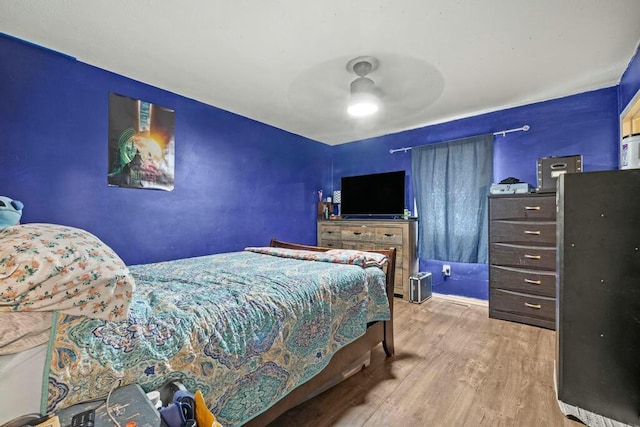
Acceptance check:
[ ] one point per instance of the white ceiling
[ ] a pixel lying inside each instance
(283, 62)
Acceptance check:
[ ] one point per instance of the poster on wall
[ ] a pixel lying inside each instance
(141, 144)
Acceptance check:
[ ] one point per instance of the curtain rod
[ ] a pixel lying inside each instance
(502, 132)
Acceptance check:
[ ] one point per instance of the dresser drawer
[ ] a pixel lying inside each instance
(365, 234)
(523, 256)
(536, 282)
(359, 246)
(333, 244)
(525, 232)
(389, 235)
(522, 208)
(329, 232)
(522, 304)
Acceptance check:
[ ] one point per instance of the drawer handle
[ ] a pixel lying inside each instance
(532, 256)
(388, 234)
(533, 282)
(357, 233)
(329, 232)
(536, 306)
(532, 208)
(536, 232)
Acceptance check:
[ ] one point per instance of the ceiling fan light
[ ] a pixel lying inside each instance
(362, 108)
(363, 102)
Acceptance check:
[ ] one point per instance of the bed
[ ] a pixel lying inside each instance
(257, 331)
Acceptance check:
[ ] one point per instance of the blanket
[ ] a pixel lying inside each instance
(245, 328)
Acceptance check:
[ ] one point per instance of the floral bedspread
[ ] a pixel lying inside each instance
(244, 328)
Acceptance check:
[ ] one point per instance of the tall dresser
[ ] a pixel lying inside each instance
(598, 336)
(377, 234)
(522, 258)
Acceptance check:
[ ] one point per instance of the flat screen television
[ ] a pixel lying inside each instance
(380, 195)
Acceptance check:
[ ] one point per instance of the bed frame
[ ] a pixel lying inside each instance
(347, 358)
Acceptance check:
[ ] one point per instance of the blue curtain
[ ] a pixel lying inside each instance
(451, 182)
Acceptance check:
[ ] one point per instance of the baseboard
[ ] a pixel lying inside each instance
(462, 300)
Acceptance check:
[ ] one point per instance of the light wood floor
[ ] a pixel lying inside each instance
(453, 367)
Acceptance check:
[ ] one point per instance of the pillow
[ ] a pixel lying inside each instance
(337, 256)
(361, 258)
(48, 267)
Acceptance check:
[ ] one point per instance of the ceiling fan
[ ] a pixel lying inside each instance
(364, 99)
(403, 86)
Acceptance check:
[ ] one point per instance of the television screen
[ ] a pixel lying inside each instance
(380, 194)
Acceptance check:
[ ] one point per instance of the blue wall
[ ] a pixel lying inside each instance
(584, 124)
(238, 182)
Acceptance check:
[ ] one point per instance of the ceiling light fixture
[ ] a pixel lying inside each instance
(364, 100)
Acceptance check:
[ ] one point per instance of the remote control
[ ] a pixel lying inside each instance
(84, 419)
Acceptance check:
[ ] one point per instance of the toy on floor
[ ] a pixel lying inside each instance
(10, 211)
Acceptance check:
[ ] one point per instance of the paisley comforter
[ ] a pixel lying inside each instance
(245, 328)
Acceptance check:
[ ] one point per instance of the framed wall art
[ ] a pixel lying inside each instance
(141, 144)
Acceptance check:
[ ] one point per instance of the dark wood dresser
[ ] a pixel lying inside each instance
(598, 336)
(522, 258)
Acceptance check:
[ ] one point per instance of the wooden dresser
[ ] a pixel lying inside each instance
(366, 234)
(522, 258)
